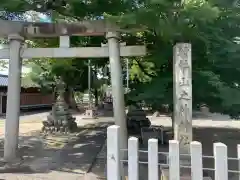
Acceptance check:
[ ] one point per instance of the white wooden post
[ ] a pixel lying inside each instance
(196, 160)
(220, 161)
(133, 167)
(174, 165)
(153, 159)
(64, 41)
(113, 153)
(238, 154)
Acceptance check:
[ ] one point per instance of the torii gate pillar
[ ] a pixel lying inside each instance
(117, 85)
(83, 28)
(13, 100)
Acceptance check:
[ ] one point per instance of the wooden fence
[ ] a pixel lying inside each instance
(114, 171)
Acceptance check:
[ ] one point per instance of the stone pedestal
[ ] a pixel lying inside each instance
(60, 119)
(204, 109)
(90, 114)
(137, 119)
(108, 106)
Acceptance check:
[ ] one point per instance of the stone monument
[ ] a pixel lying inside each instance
(60, 119)
(182, 100)
(182, 71)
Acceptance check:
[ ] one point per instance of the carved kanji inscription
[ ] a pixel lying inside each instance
(183, 96)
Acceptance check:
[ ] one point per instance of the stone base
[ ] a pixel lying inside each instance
(108, 106)
(90, 114)
(162, 134)
(184, 175)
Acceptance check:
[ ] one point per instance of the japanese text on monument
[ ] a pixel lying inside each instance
(183, 53)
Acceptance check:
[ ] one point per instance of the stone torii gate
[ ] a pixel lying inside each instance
(17, 32)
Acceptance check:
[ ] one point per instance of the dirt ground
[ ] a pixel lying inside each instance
(71, 156)
(54, 156)
(24, 128)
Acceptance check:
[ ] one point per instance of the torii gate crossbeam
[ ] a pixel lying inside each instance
(18, 31)
(81, 52)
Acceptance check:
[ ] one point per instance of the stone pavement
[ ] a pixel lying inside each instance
(72, 162)
(99, 167)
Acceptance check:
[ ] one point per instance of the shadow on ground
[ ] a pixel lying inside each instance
(208, 136)
(73, 153)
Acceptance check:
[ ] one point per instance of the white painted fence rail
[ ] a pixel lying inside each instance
(114, 158)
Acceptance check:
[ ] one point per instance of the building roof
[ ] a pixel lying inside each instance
(3, 80)
(25, 82)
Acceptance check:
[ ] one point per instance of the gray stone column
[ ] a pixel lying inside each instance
(13, 98)
(117, 86)
(182, 96)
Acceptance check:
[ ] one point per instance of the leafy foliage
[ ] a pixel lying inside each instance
(210, 26)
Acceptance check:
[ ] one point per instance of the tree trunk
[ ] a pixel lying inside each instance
(96, 97)
(54, 94)
(66, 96)
(72, 100)
(69, 98)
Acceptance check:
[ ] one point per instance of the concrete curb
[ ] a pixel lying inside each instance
(96, 157)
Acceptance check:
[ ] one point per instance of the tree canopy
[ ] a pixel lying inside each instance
(210, 26)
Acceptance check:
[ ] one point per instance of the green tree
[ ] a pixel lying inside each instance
(210, 26)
